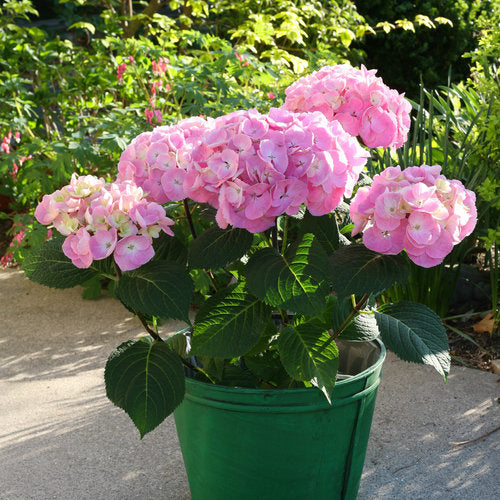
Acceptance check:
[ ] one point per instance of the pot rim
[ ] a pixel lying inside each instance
(339, 383)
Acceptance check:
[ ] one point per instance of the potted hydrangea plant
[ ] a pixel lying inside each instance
(235, 225)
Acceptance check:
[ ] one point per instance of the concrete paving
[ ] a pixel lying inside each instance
(60, 438)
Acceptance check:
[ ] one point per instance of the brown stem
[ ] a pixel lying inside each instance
(185, 362)
(147, 327)
(353, 313)
(189, 218)
(461, 443)
(134, 24)
(274, 237)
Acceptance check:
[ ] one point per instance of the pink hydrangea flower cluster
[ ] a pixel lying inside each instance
(250, 167)
(417, 210)
(158, 161)
(100, 219)
(359, 100)
(253, 167)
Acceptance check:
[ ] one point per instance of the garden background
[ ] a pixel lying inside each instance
(80, 79)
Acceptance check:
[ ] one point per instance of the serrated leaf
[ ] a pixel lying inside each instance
(146, 379)
(263, 343)
(46, 264)
(325, 229)
(267, 367)
(294, 281)
(158, 288)
(308, 354)
(229, 324)
(217, 247)
(415, 333)
(92, 288)
(362, 328)
(169, 248)
(356, 270)
(180, 342)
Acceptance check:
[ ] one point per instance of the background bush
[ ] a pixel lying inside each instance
(403, 57)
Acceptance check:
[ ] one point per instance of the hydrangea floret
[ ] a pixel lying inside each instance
(360, 101)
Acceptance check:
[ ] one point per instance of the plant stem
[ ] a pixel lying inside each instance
(274, 237)
(189, 218)
(147, 327)
(211, 278)
(186, 363)
(267, 240)
(466, 315)
(351, 315)
(285, 235)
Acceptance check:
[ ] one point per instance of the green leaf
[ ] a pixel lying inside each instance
(92, 288)
(46, 264)
(356, 270)
(235, 376)
(294, 281)
(269, 332)
(84, 26)
(268, 368)
(217, 247)
(308, 354)
(179, 342)
(415, 333)
(229, 324)
(325, 229)
(362, 328)
(146, 379)
(169, 248)
(157, 288)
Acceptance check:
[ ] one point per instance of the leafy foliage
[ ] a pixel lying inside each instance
(217, 247)
(158, 288)
(48, 265)
(229, 324)
(308, 353)
(295, 280)
(416, 334)
(355, 269)
(146, 379)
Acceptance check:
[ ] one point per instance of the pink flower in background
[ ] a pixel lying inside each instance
(270, 95)
(160, 66)
(360, 101)
(19, 232)
(120, 70)
(415, 209)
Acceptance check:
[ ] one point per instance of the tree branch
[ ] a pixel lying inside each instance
(134, 24)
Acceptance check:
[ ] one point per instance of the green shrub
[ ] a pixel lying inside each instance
(403, 57)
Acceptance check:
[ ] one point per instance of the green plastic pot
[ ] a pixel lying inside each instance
(240, 443)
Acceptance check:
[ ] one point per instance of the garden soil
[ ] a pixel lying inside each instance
(60, 438)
